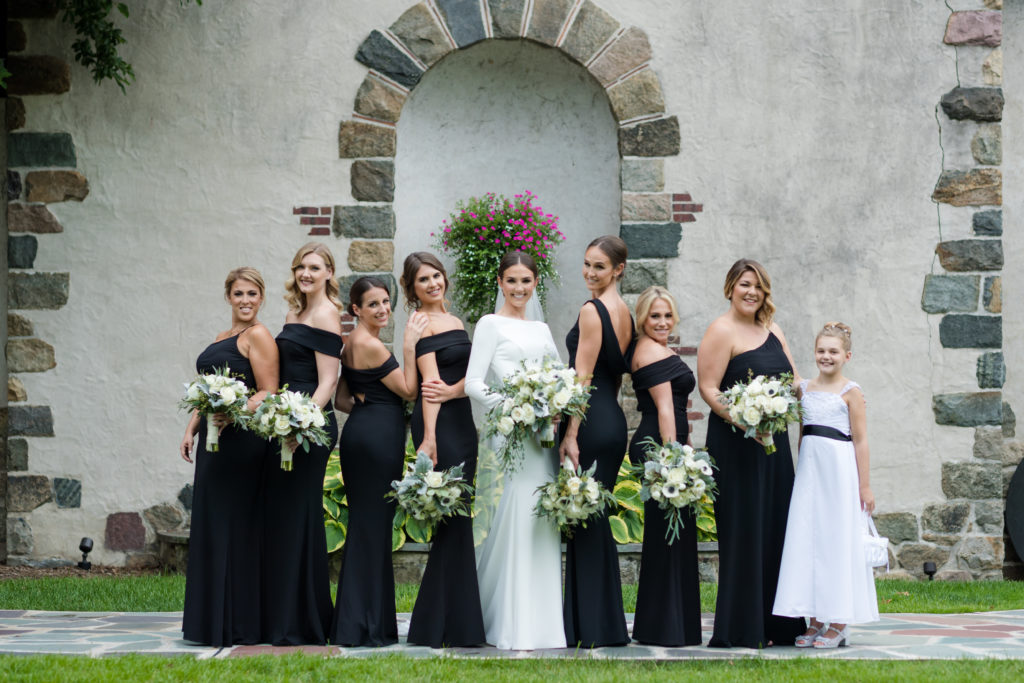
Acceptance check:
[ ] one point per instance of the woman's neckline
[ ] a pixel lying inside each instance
(741, 353)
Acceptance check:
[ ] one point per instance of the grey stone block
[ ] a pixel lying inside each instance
(506, 17)
(67, 492)
(547, 19)
(976, 104)
(946, 518)
(29, 355)
(638, 95)
(968, 409)
(979, 553)
(913, 556)
(380, 54)
(19, 326)
(992, 294)
(987, 145)
(959, 331)
(164, 517)
(464, 19)
(21, 251)
(27, 492)
(988, 443)
(639, 275)
(380, 101)
(14, 185)
(185, 497)
(652, 240)
(972, 480)
(659, 138)
(30, 421)
(988, 223)
(642, 175)
(991, 370)
(944, 293)
(898, 527)
(40, 149)
(40, 291)
(961, 255)
(372, 222)
(976, 187)
(591, 29)
(419, 32)
(357, 139)
(19, 536)
(373, 180)
(17, 455)
(989, 516)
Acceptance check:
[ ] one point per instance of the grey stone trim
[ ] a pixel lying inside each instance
(639, 275)
(41, 150)
(371, 222)
(961, 331)
(67, 492)
(659, 138)
(639, 95)
(988, 223)
(629, 51)
(968, 409)
(972, 480)
(378, 100)
(380, 54)
(976, 104)
(547, 19)
(17, 455)
(27, 492)
(506, 17)
(419, 32)
(642, 175)
(652, 240)
(991, 370)
(944, 293)
(43, 291)
(21, 251)
(28, 354)
(966, 255)
(591, 29)
(464, 19)
(977, 187)
(357, 139)
(373, 180)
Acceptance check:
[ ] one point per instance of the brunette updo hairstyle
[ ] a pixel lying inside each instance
(295, 298)
(766, 313)
(517, 258)
(249, 274)
(840, 331)
(614, 248)
(411, 266)
(360, 287)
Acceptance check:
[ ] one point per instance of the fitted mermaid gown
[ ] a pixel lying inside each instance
(519, 559)
(372, 454)
(751, 508)
(447, 611)
(296, 588)
(593, 588)
(222, 587)
(668, 592)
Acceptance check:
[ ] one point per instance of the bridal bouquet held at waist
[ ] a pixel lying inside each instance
(216, 392)
(532, 397)
(677, 477)
(427, 495)
(573, 497)
(763, 406)
(288, 414)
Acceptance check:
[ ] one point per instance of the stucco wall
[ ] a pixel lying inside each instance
(808, 133)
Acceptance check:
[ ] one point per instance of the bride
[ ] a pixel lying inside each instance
(519, 563)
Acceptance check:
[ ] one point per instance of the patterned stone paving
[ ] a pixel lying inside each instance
(998, 635)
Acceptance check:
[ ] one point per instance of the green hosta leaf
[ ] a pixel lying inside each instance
(399, 521)
(397, 539)
(335, 533)
(625, 470)
(332, 509)
(333, 471)
(634, 525)
(627, 493)
(417, 530)
(620, 530)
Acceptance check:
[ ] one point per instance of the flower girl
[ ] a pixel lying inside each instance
(824, 573)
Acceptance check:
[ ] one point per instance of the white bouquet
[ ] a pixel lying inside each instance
(532, 397)
(572, 498)
(288, 414)
(677, 477)
(428, 495)
(763, 405)
(216, 392)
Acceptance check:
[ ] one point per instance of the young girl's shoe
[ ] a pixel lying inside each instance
(807, 639)
(840, 639)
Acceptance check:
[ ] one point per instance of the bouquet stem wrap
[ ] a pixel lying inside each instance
(286, 456)
(212, 435)
(547, 435)
(769, 443)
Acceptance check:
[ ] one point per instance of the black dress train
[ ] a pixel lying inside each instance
(751, 509)
(372, 454)
(447, 611)
(668, 593)
(222, 586)
(592, 608)
(296, 592)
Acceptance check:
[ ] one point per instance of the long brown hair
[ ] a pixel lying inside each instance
(411, 266)
(295, 298)
(766, 313)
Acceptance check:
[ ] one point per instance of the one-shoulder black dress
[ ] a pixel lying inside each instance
(592, 607)
(372, 454)
(222, 586)
(296, 589)
(447, 611)
(668, 593)
(751, 510)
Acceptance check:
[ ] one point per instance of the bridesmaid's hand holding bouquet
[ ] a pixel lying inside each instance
(287, 415)
(573, 498)
(427, 495)
(763, 406)
(216, 393)
(677, 477)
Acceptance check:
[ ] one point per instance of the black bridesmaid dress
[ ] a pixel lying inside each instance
(372, 454)
(668, 593)
(592, 608)
(447, 611)
(296, 587)
(751, 510)
(222, 586)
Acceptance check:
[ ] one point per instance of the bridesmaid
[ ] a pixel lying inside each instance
(296, 586)
(599, 345)
(222, 587)
(668, 594)
(447, 611)
(372, 453)
(754, 488)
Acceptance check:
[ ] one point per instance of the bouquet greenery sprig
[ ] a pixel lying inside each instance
(532, 397)
(287, 414)
(677, 477)
(763, 405)
(481, 231)
(427, 495)
(216, 392)
(572, 498)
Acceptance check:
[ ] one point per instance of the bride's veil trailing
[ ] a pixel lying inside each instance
(489, 474)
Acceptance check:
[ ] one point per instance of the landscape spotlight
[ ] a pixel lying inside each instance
(929, 569)
(86, 547)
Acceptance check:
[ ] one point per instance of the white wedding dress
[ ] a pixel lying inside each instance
(519, 562)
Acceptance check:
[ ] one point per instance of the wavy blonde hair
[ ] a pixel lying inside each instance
(295, 298)
(766, 313)
(840, 331)
(647, 299)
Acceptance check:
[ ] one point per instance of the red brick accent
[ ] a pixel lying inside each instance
(325, 211)
(305, 210)
(694, 415)
(684, 350)
(693, 208)
(683, 217)
(320, 231)
(681, 198)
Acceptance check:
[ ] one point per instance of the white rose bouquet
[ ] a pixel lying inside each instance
(572, 498)
(677, 477)
(216, 392)
(763, 405)
(288, 414)
(532, 397)
(428, 495)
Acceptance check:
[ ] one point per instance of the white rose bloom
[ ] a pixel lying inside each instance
(779, 405)
(592, 487)
(434, 479)
(573, 484)
(735, 413)
(676, 475)
(763, 403)
(228, 395)
(529, 415)
(282, 425)
(265, 419)
(755, 388)
(752, 416)
(698, 487)
(517, 414)
(506, 425)
(318, 418)
(507, 405)
(561, 399)
(656, 492)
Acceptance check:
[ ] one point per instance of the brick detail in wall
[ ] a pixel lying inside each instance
(317, 218)
(683, 208)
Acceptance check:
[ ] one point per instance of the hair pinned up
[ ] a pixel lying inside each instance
(840, 331)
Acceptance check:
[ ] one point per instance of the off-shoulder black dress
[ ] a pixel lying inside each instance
(222, 586)
(372, 452)
(296, 588)
(447, 611)
(668, 593)
(751, 510)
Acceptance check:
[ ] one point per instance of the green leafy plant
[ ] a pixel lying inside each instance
(481, 231)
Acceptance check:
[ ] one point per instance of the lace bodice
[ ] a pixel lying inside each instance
(826, 408)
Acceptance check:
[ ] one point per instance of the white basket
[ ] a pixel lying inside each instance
(876, 548)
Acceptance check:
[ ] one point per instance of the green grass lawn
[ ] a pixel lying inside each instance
(166, 593)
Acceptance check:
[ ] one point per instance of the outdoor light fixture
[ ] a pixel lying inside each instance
(86, 547)
(929, 569)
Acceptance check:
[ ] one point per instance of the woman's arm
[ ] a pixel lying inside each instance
(404, 381)
(713, 357)
(436, 391)
(343, 399)
(485, 343)
(427, 364)
(187, 446)
(262, 354)
(586, 358)
(859, 431)
(662, 396)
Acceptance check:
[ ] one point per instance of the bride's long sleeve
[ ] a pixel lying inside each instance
(485, 343)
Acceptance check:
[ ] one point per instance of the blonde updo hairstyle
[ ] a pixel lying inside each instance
(249, 274)
(646, 300)
(410, 268)
(766, 313)
(838, 330)
(295, 298)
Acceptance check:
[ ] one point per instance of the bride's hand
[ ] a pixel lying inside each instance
(569, 449)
